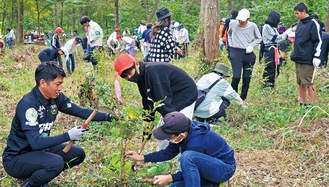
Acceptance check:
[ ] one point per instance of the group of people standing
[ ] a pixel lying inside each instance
(240, 36)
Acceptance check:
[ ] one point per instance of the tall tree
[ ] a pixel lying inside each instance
(209, 23)
(150, 16)
(20, 27)
(116, 22)
(39, 9)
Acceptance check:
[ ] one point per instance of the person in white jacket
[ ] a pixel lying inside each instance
(219, 96)
(95, 37)
(183, 39)
(128, 44)
(71, 46)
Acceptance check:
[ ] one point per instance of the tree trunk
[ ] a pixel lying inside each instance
(38, 16)
(327, 21)
(56, 14)
(209, 23)
(74, 16)
(20, 27)
(150, 16)
(62, 14)
(116, 22)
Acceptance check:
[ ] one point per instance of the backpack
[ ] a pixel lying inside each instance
(203, 93)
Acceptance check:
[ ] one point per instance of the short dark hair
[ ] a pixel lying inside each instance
(84, 19)
(314, 16)
(48, 71)
(300, 7)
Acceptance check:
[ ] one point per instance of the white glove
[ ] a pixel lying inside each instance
(76, 133)
(288, 31)
(316, 62)
(249, 49)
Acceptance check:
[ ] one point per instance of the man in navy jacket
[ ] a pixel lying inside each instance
(31, 153)
(206, 159)
(306, 53)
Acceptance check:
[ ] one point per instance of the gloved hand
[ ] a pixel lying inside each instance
(316, 62)
(76, 133)
(249, 49)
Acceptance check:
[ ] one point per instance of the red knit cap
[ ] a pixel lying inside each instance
(123, 62)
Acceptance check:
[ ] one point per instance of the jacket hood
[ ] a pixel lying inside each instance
(197, 129)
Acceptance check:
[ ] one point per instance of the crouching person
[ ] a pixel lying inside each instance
(219, 96)
(206, 158)
(31, 153)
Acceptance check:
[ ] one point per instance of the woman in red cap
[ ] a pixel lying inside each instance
(159, 82)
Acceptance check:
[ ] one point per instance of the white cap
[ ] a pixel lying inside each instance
(243, 15)
(176, 24)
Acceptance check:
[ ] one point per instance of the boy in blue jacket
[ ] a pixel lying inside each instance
(206, 158)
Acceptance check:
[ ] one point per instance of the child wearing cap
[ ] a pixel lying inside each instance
(71, 46)
(206, 158)
(56, 43)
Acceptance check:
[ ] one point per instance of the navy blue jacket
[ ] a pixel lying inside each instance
(201, 139)
(160, 81)
(307, 43)
(34, 118)
(48, 54)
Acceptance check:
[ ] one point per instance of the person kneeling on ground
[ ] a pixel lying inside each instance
(206, 158)
(31, 153)
(219, 96)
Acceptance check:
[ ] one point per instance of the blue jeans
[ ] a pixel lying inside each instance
(9, 43)
(68, 64)
(203, 170)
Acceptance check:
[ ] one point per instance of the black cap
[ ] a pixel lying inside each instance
(173, 123)
(78, 40)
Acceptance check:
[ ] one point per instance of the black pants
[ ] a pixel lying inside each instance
(240, 60)
(43, 166)
(270, 70)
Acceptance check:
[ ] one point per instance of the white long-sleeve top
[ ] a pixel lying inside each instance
(69, 45)
(95, 34)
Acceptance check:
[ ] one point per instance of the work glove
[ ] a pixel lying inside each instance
(76, 133)
(249, 49)
(316, 62)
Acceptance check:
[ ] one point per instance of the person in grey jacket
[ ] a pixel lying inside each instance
(271, 38)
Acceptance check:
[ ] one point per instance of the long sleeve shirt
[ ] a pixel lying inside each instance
(271, 35)
(210, 105)
(242, 37)
(95, 34)
(69, 45)
(34, 119)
